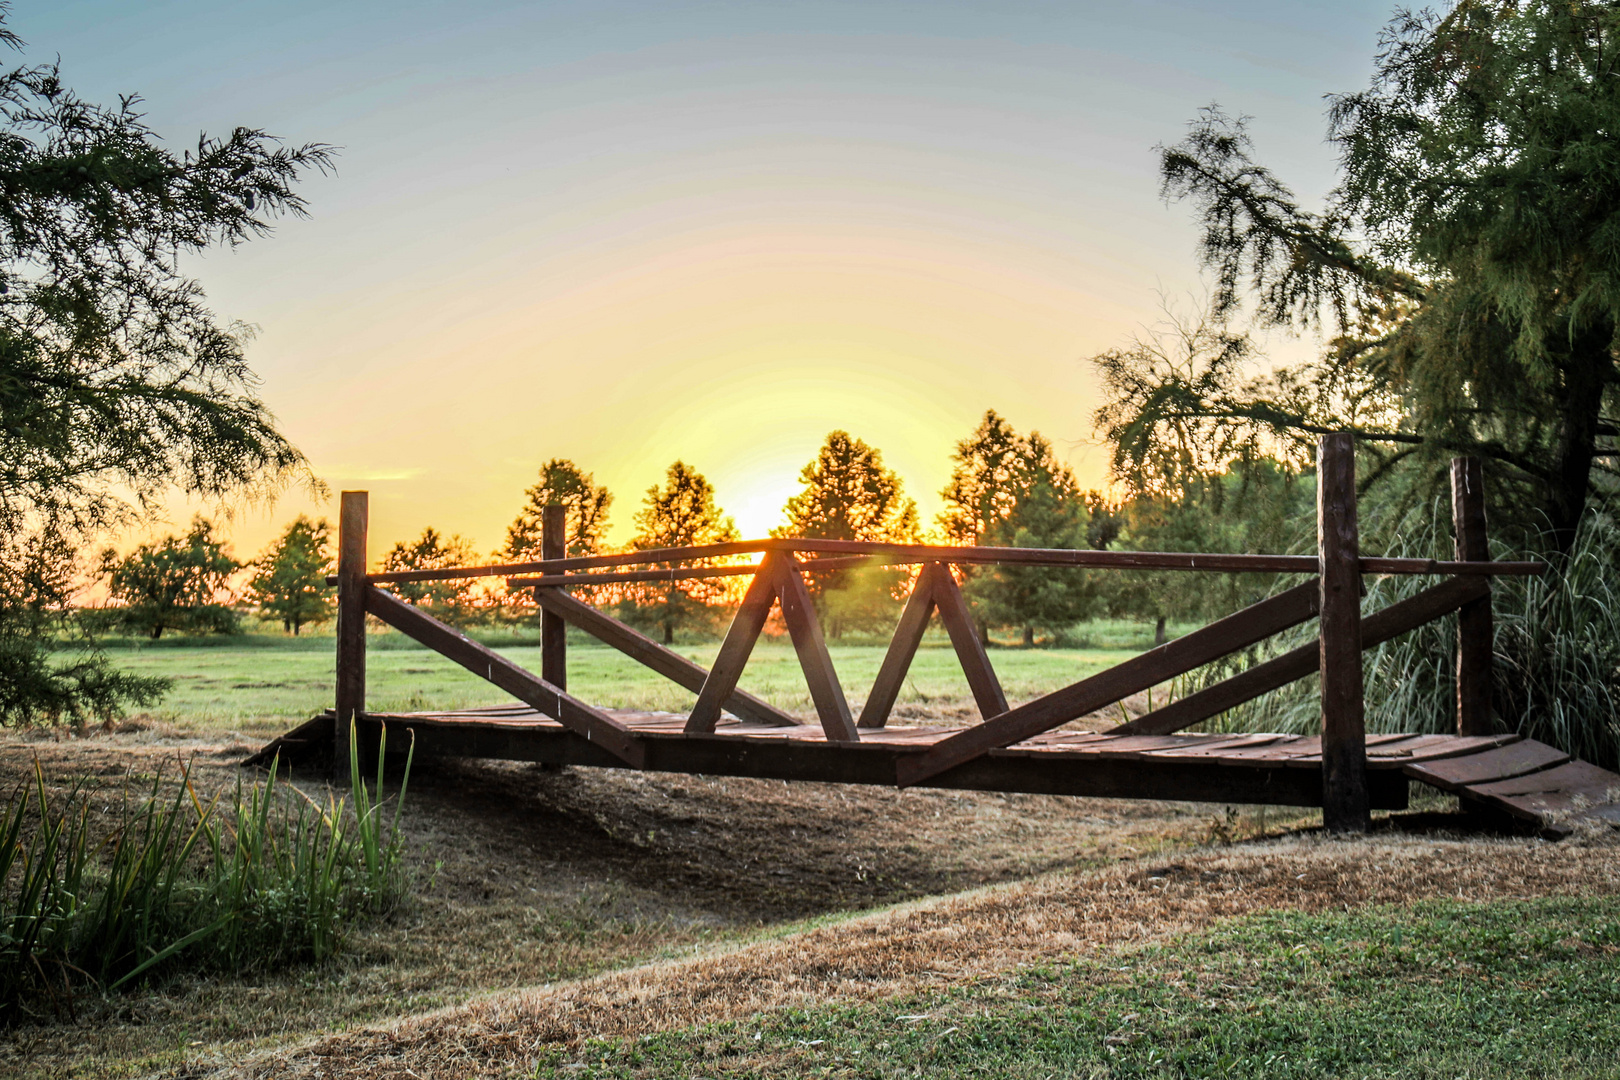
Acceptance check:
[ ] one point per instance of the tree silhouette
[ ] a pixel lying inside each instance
(561, 483)
(451, 600)
(682, 513)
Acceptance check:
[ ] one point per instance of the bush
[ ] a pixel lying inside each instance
(269, 878)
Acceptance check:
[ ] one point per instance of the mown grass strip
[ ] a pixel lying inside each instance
(1441, 989)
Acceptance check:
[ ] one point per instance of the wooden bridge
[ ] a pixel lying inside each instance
(1014, 747)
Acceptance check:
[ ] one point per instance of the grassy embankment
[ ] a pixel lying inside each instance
(1440, 989)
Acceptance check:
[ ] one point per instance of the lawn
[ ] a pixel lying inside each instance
(1441, 989)
(255, 682)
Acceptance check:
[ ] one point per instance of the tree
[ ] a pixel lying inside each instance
(1009, 490)
(561, 483)
(981, 493)
(1259, 505)
(117, 382)
(174, 584)
(682, 513)
(289, 580)
(1467, 261)
(848, 494)
(451, 600)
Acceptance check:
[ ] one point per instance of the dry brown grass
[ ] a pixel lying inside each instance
(526, 877)
(960, 938)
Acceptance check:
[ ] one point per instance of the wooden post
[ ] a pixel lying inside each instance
(1474, 629)
(351, 623)
(553, 630)
(1344, 733)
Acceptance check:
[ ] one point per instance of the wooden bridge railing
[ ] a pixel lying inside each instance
(1333, 597)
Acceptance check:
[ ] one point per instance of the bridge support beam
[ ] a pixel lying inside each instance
(351, 623)
(1345, 807)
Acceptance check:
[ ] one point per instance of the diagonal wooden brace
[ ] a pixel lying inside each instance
(1377, 628)
(1228, 635)
(934, 589)
(805, 630)
(958, 620)
(734, 651)
(643, 649)
(527, 687)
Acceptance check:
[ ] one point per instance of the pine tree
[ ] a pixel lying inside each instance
(682, 513)
(1045, 509)
(848, 494)
(561, 483)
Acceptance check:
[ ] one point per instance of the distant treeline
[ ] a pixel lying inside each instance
(1005, 489)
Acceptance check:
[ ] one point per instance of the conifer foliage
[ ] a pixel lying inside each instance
(117, 382)
(681, 513)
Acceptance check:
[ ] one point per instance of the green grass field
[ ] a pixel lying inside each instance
(260, 681)
(1440, 990)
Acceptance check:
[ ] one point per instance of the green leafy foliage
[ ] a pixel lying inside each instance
(1257, 506)
(1468, 262)
(1009, 490)
(173, 584)
(848, 494)
(289, 579)
(117, 382)
(452, 600)
(681, 513)
(182, 883)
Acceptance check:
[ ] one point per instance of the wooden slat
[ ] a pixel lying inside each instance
(1381, 626)
(553, 631)
(1145, 560)
(649, 653)
(1174, 658)
(1502, 763)
(981, 677)
(908, 634)
(970, 555)
(1475, 637)
(581, 562)
(572, 713)
(733, 656)
(805, 630)
(687, 573)
(1555, 790)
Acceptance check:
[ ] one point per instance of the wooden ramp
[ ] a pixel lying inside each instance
(1520, 777)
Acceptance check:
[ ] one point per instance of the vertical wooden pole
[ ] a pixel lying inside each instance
(1474, 628)
(1344, 734)
(351, 622)
(553, 631)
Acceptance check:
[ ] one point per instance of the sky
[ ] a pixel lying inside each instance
(627, 232)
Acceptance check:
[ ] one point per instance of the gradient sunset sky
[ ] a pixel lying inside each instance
(630, 232)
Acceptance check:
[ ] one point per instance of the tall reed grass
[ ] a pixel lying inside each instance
(264, 877)
(1556, 659)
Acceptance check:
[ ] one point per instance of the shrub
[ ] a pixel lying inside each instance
(270, 877)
